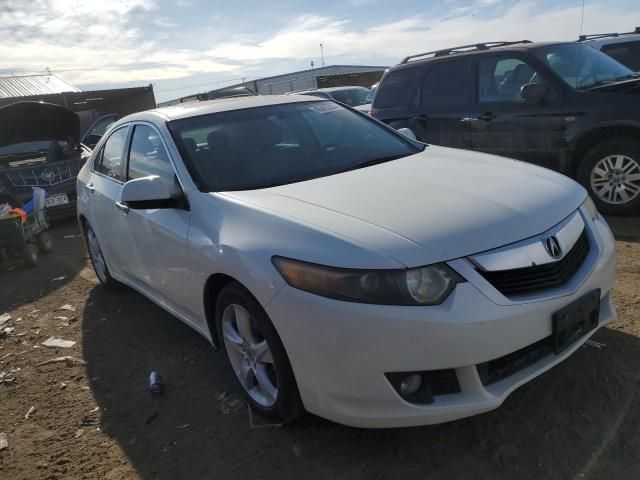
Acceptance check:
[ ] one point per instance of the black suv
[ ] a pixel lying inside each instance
(564, 106)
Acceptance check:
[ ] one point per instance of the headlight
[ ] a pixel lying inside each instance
(590, 208)
(416, 286)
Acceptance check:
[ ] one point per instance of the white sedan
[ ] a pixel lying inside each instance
(342, 267)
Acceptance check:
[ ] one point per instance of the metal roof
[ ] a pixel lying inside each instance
(30, 85)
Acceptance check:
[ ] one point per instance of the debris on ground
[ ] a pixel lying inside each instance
(58, 279)
(4, 443)
(4, 318)
(28, 414)
(155, 383)
(72, 236)
(181, 427)
(66, 306)
(58, 343)
(70, 361)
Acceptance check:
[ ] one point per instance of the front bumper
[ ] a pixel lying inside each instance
(340, 351)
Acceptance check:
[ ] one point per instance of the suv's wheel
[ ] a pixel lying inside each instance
(256, 354)
(97, 259)
(610, 171)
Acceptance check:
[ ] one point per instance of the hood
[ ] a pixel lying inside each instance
(31, 121)
(444, 203)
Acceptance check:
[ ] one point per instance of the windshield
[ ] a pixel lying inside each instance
(581, 66)
(353, 96)
(20, 154)
(279, 144)
(26, 147)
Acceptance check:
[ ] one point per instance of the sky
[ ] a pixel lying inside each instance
(189, 46)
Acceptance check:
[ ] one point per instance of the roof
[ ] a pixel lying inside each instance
(193, 109)
(475, 49)
(334, 89)
(30, 85)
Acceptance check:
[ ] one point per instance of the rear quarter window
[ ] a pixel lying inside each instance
(394, 89)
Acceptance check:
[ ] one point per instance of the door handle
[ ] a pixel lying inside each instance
(122, 207)
(90, 187)
(487, 116)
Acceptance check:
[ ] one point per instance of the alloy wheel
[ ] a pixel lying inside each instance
(96, 256)
(615, 179)
(249, 355)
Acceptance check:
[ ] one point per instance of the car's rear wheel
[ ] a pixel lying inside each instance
(256, 355)
(30, 255)
(97, 259)
(610, 171)
(45, 242)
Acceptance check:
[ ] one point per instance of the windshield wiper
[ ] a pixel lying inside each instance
(373, 161)
(608, 83)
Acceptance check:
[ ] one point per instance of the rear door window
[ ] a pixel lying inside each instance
(446, 84)
(627, 54)
(394, 88)
(110, 158)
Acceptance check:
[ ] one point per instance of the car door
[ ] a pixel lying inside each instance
(104, 187)
(438, 111)
(503, 123)
(157, 238)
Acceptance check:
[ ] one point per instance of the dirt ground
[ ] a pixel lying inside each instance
(581, 420)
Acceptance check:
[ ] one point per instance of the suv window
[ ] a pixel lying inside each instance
(147, 155)
(500, 79)
(110, 158)
(445, 84)
(627, 54)
(394, 88)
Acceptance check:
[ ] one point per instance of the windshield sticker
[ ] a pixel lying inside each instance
(325, 108)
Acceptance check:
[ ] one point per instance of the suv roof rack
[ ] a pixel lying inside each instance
(463, 49)
(582, 38)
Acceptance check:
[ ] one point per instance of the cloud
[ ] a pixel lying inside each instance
(184, 3)
(94, 42)
(419, 33)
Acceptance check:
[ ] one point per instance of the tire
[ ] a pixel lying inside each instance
(601, 167)
(45, 242)
(98, 261)
(283, 406)
(30, 255)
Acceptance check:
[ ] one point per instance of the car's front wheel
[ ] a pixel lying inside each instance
(97, 259)
(256, 354)
(610, 171)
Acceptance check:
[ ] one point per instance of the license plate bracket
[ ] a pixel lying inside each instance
(575, 320)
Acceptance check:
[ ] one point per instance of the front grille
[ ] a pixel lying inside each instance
(524, 281)
(45, 175)
(503, 367)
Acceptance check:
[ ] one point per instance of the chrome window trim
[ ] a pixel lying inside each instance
(101, 147)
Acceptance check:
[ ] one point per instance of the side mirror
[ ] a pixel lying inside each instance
(407, 132)
(150, 192)
(533, 92)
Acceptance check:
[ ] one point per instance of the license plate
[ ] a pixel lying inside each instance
(55, 200)
(575, 320)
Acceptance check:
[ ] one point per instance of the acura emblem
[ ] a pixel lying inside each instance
(552, 245)
(48, 175)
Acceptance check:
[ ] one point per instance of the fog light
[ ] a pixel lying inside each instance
(410, 385)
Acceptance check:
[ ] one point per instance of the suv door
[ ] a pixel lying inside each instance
(503, 123)
(440, 105)
(104, 186)
(157, 238)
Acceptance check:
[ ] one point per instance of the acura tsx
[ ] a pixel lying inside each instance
(342, 267)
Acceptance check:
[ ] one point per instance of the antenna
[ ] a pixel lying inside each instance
(322, 54)
(582, 18)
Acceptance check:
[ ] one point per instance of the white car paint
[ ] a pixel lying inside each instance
(439, 205)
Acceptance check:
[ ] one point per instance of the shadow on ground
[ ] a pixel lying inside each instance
(625, 228)
(576, 421)
(67, 259)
